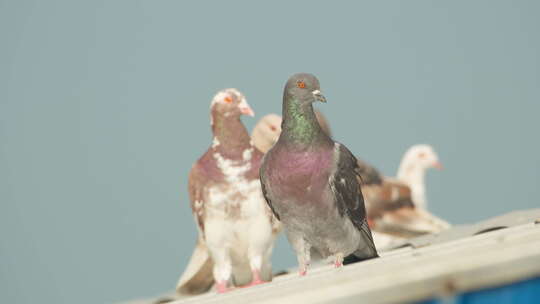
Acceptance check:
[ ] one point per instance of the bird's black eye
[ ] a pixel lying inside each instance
(300, 84)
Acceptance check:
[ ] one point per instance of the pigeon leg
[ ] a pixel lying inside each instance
(338, 261)
(216, 236)
(222, 270)
(256, 274)
(303, 252)
(260, 232)
(256, 278)
(222, 287)
(303, 262)
(255, 264)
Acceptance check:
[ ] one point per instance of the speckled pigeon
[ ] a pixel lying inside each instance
(236, 227)
(311, 184)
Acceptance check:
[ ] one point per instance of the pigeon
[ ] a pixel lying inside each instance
(412, 170)
(391, 212)
(236, 227)
(311, 184)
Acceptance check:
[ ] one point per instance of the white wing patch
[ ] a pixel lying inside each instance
(238, 193)
(336, 161)
(232, 171)
(246, 155)
(215, 142)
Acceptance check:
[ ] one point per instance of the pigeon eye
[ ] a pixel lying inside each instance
(422, 155)
(301, 84)
(273, 128)
(228, 99)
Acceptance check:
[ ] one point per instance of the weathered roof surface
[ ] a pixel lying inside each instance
(495, 252)
(463, 231)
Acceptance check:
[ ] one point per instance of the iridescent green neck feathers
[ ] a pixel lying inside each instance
(300, 125)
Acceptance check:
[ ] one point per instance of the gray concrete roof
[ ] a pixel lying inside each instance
(494, 252)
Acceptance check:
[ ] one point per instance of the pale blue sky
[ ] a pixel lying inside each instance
(104, 107)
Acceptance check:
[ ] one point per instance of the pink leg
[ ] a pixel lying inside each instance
(303, 267)
(256, 279)
(338, 262)
(221, 287)
(303, 252)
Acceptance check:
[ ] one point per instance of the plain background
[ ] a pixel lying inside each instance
(104, 108)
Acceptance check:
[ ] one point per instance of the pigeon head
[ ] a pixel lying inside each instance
(304, 88)
(272, 124)
(266, 132)
(423, 156)
(229, 132)
(229, 102)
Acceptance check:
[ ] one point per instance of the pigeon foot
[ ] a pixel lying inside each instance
(256, 280)
(222, 287)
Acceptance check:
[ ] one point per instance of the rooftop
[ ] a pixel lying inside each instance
(497, 252)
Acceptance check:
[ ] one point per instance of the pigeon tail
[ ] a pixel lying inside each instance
(437, 221)
(410, 222)
(353, 258)
(367, 250)
(197, 278)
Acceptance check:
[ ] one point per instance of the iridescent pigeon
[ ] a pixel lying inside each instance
(311, 184)
(236, 228)
(391, 212)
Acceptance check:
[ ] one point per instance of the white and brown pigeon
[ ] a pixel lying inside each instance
(311, 184)
(393, 214)
(391, 211)
(412, 171)
(236, 227)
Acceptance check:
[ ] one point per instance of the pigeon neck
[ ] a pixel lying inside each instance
(300, 125)
(413, 175)
(229, 133)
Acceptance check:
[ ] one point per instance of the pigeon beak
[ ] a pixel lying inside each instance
(437, 165)
(318, 96)
(245, 108)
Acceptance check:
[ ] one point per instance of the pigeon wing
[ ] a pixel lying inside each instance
(346, 191)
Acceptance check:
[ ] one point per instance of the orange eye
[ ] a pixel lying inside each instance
(301, 84)
(421, 155)
(228, 99)
(273, 128)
